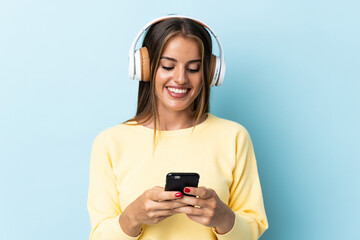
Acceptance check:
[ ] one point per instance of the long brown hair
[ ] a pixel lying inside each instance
(155, 40)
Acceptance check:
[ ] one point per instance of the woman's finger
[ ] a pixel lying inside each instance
(159, 194)
(169, 204)
(201, 192)
(194, 201)
(193, 211)
(162, 213)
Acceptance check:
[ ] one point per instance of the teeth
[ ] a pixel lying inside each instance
(177, 90)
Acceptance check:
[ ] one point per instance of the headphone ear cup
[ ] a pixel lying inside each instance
(145, 64)
(137, 66)
(213, 70)
(142, 64)
(212, 67)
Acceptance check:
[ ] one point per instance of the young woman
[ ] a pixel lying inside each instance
(173, 131)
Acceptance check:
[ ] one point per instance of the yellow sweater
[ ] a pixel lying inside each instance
(123, 166)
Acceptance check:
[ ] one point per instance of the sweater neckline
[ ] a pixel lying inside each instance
(210, 118)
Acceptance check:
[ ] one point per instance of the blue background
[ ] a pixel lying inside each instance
(293, 71)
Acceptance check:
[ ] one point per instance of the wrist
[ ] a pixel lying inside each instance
(129, 224)
(226, 225)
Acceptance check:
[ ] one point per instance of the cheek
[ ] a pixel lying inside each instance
(160, 80)
(162, 74)
(198, 85)
(161, 77)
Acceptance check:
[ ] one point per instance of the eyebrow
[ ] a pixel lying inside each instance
(174, 60)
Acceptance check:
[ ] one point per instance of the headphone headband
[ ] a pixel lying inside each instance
(219, 72)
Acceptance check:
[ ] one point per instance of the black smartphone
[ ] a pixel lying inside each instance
(178, 181)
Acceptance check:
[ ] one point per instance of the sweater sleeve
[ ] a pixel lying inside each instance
(103, 198)
(246, 198)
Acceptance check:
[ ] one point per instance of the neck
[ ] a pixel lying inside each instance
(175, 120)
(171, 120)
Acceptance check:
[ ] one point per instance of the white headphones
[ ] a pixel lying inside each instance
(139, 63)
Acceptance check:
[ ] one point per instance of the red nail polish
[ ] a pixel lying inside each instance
(187, 190)
(179, 194)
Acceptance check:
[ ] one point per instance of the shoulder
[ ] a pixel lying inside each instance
(229, 126)
(230, 132)
(115, 132)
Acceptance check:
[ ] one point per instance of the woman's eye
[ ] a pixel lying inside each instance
(193, 70)
(167, 68)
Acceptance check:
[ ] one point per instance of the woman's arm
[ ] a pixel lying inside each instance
(103, 198)
(246, 198)
(107, 220)
(244, 216)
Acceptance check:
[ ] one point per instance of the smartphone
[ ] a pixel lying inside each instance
(178, 181)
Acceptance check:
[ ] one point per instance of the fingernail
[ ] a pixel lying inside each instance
(179, 194)
(187, 190)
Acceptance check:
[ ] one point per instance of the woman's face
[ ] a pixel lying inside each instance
(178, 77)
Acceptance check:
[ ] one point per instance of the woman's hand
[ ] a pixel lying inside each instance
(207, 209)
(151, 207)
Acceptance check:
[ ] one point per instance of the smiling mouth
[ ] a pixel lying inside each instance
(177, 92)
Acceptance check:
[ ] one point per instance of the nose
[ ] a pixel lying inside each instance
(180, 76)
